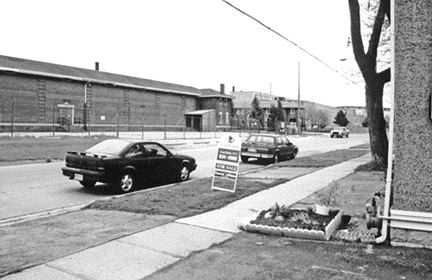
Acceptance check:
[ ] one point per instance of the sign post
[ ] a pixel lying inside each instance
(227, 164)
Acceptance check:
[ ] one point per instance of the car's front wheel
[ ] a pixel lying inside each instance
(184, 173)
(126, 182)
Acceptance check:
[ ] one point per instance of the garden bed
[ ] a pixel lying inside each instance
(294, 222)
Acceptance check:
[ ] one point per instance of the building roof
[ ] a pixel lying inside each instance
(208, 92)
(246, 103)
(37, 68)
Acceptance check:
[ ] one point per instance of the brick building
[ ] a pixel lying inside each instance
(36, 94)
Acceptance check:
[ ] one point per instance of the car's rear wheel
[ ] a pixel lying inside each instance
(244, 159)
(184, 173)
(88, 184)
(126, 182)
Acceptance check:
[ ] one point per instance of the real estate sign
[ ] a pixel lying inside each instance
(227, 163)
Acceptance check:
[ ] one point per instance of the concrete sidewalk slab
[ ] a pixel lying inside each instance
(178, 240)
(229, 217)
(41, 272)
(132, 257)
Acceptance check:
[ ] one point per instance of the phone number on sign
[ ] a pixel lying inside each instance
(228, 155)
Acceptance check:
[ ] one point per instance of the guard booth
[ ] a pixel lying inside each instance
(201, 120)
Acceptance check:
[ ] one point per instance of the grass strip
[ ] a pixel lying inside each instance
(324, 159)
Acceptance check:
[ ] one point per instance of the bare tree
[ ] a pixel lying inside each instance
(316, 116)
(375, 81)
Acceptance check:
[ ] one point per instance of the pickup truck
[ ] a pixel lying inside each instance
(339, 132)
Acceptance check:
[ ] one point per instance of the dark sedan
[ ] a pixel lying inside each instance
(126, 163)
(268, 147)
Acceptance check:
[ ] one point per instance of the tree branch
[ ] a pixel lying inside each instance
(384, 76)
(376, 31)
(356, 36)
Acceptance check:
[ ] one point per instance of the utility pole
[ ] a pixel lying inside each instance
(298, 98)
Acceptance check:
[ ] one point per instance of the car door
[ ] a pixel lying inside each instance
(281, 146)
(137, 158)
(159, 160)
(289, 146)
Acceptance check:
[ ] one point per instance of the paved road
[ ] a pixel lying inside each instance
(32, 188)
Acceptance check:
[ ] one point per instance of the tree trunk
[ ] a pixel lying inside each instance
(376, 122)
(374, 81)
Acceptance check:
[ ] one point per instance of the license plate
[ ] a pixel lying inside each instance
(78, 177)
(252, 150)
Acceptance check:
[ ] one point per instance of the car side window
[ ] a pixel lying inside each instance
(154, 150)
(279, 141)
(286, 141)
(252, 140)
(135, 150)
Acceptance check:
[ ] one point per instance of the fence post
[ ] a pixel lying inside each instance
(165, 127)
(142, 126)
(12, 120)
(200, 123)
(53, 120)
(118, 120)
(142, 121)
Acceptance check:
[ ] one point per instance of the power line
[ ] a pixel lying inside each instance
(291, 42)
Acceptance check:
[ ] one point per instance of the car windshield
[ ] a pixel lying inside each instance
(109, 147)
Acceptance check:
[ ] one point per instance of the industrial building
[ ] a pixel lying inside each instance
(35, 95)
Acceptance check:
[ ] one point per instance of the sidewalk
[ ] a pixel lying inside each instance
(141, 254)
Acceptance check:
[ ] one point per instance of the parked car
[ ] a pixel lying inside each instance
(339, 132)
(268, 147)
(126, 163)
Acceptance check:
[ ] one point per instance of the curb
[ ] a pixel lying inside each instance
(40, 215)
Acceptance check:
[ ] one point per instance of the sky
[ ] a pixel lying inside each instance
(199, 43)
